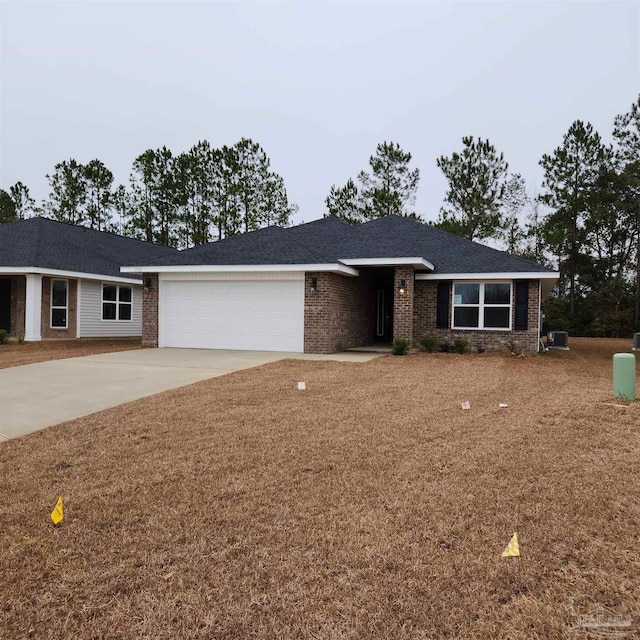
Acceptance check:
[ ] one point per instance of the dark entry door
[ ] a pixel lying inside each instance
(5, 304)
(384, 309)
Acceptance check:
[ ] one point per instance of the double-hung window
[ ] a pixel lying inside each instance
(59, 303)
(116, 302)
(482, 305)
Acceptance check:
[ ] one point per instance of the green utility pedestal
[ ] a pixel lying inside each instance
(624, 376)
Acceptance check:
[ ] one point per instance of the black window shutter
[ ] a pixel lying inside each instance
(522, 305)
(442, 316)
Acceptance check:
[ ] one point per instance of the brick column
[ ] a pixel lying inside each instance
(18, 286)
(150, 310)
(403, 303)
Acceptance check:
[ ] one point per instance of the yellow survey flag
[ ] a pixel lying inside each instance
(513, 548)
(57, 515)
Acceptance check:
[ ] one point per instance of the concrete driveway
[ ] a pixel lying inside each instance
(35, 396)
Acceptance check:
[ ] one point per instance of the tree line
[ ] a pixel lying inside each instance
(178, 200)
(584, 222)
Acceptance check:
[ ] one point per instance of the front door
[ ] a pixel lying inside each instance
(384, 309)
(5, 304)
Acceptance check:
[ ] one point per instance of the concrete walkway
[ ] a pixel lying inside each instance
(38, 395)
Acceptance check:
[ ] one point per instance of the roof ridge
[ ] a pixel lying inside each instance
(198, 248)
(90, 230)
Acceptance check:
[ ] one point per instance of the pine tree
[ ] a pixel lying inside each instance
(121, 207)
(389, 189)
(570, 175)
(345, 203)
(7, 208)
(196, 178)
(98, 182)
(155, 198)
(627, 135)
(22, 200)
(473, 200)
(66, 200)
(514, 200)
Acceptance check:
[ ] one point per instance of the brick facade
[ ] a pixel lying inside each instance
(150, 311)
(403, 303)
(424, 322)
(47, 331)
(339, 314)
(18, 294)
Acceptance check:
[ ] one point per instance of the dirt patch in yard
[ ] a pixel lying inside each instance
(14, 355)
(368, 506)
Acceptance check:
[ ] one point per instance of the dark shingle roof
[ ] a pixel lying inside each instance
(47, 244)
(328, 240)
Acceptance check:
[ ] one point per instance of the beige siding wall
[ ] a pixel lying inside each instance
(91, 323)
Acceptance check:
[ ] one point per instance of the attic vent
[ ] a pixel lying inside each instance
(636, 341)
(558, 340)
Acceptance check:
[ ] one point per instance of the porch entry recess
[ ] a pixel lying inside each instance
(383, 286)
(5, 304)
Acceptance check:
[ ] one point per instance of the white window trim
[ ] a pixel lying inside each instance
(52, 307)
(116, 301)
(481, 305)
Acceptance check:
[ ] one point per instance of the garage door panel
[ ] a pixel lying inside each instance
(255, 315)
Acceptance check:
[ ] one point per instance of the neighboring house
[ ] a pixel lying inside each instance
(63, 281)
(326, 286)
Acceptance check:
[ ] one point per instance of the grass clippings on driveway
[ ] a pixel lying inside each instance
(368, 506)
(14, 355)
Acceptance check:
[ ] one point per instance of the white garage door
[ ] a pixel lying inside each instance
(263, 315)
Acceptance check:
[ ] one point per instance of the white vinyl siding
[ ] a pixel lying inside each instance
(91, 323)
(265, 313)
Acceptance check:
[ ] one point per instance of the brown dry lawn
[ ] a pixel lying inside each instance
(368, 506)
(14, 355)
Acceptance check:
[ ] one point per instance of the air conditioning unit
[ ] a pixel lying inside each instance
(558, 340)
(636, 341)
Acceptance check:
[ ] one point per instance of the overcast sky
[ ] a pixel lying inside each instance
(317, 84)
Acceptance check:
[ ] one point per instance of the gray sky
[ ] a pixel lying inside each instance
(317, 84)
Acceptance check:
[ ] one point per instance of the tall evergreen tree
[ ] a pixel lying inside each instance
(155, 196)
(345, 203)
(121, 208)
(260, 194)
(227, 214)
(535, 242)
(473, 200)
(7, 208)
(388, 189)
(142, 216)
(627, 135)
(277, 208)
(98, 183)
(22, 200)
(514, 200)
(66, 199)
(570, 175)
(197, 174)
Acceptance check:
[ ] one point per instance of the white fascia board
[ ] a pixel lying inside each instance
(501, 275)
(335, 267)
(19, 271)
(387, 262)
